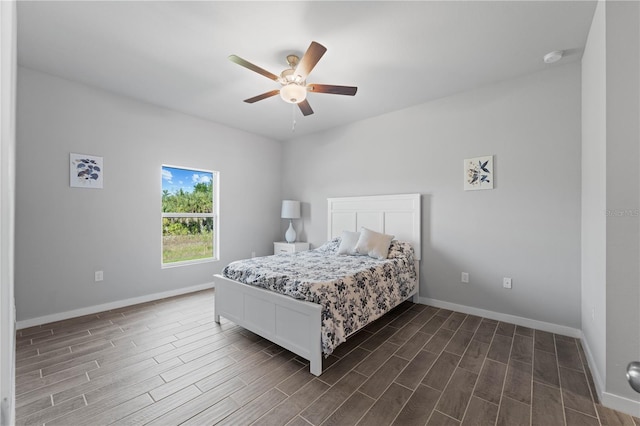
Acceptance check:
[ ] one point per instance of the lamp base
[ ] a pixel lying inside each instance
(290, 235)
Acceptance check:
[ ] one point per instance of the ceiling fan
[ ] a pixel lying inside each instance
(293, 80)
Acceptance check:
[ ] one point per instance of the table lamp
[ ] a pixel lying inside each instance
(290, 210)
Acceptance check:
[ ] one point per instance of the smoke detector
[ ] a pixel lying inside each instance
(554, 56)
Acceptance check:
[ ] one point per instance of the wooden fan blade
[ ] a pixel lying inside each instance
(238, 60)
(261, 97)
(310, 59)
(331, 89)
(305, 108)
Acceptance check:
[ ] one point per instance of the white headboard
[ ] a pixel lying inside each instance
(398, 215)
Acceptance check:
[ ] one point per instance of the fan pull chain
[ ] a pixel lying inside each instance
(293, 118)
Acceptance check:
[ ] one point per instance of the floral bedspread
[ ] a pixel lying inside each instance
(353, 290)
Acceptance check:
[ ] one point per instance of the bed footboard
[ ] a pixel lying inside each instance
(290, 323)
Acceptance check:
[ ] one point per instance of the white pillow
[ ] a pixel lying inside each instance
(348, 242)
(373, 243)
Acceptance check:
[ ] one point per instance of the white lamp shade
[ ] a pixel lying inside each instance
(290, 209)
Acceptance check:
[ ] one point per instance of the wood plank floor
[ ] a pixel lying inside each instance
(168, 363)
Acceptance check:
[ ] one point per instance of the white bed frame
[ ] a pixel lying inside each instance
(295, 324)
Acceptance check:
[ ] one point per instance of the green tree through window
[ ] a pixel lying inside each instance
(189, 215)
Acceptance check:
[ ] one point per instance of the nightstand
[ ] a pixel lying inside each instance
(284, 247)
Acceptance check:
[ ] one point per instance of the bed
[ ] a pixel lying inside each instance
(300, 325)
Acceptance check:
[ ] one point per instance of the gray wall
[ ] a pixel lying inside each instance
(594, 192)
(623, 193)
(64, 234)
(527, 228)
(7, 209)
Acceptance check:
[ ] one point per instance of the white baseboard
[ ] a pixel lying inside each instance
(598, 378)
(620, 403)
(108, 306)
(524, 322)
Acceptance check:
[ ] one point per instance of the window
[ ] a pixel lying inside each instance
(189, 215)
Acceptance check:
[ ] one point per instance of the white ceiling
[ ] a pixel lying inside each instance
(399, 54)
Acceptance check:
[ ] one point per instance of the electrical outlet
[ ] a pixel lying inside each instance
(465, 277)
(99, 276)
(506, 282)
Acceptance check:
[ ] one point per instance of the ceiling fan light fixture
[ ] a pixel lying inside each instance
(294, 79)
(293, 93)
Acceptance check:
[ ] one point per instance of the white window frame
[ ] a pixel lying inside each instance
(214, 215)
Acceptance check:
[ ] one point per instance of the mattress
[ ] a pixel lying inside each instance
(353, 290)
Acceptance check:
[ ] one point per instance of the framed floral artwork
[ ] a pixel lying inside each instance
(85, 171)
(478, 173)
